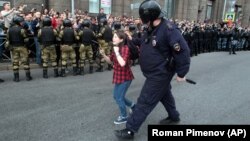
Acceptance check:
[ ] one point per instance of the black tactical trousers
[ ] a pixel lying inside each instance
(152, 93)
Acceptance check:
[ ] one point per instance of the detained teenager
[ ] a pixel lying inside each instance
(122, 76)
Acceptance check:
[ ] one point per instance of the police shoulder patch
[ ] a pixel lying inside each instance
(177, 47)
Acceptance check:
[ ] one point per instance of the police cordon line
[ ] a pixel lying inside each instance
(67, 38)
(77, 45)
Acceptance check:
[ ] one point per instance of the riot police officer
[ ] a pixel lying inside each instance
(105, 40)
(68, 37)
(86, 36)
(17, 39)
(47, 38)
(117, 26)
(234, 40)
(161, 43)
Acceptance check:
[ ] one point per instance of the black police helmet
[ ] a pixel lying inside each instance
(18, 20)
(47, 21)
(86, 23)
(104, 21)
(117, 25)
(132, 27)
(67, 23)
(149, 11)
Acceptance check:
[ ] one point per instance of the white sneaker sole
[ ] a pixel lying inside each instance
(117, 123)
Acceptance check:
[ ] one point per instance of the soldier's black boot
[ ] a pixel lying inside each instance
(81, 71)
(28, 77)
(91, 69)
(74, 71)
(45, 73)
(100, 69)
(16, 77)
(56, 73)
(110, 67)
(63, 73)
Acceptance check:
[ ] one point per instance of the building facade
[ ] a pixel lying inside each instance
(192, 10)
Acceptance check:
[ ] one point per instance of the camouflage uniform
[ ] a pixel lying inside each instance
(86, 52)
(17, 38)
(47, 37)
(105, 41)
(68, 37)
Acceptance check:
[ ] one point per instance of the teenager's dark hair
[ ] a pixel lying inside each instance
(122, 35)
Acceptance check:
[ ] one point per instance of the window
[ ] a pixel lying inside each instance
(94, 6)
(209, 12)
(168, 8)
(106, 5)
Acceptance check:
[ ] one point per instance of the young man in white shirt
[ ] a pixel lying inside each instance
(8, 14)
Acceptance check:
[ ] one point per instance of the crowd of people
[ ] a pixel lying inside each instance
(34, 21)
(107, 41)
(201, 37)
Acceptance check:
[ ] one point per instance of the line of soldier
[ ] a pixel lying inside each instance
(212, 38)
(68, 38)
(199, 38)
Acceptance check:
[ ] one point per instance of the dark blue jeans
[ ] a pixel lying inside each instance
(38, 51)
(119, 96)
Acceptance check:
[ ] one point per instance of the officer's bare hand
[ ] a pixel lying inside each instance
(179, 79)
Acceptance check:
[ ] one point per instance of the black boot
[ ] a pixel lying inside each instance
(16, 77)
(124, 134)
(90, 69)
(63, 73)
(100, 69)
(28, 77)
(56, 73)
(74, 71)
(81, 71)
(110, 67)
(1, 80)
(45, 73)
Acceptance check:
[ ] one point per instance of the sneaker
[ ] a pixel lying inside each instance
(169, 121)
(124, 134)
(120, 120)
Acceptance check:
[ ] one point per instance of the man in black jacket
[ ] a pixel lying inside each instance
(160, 43)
